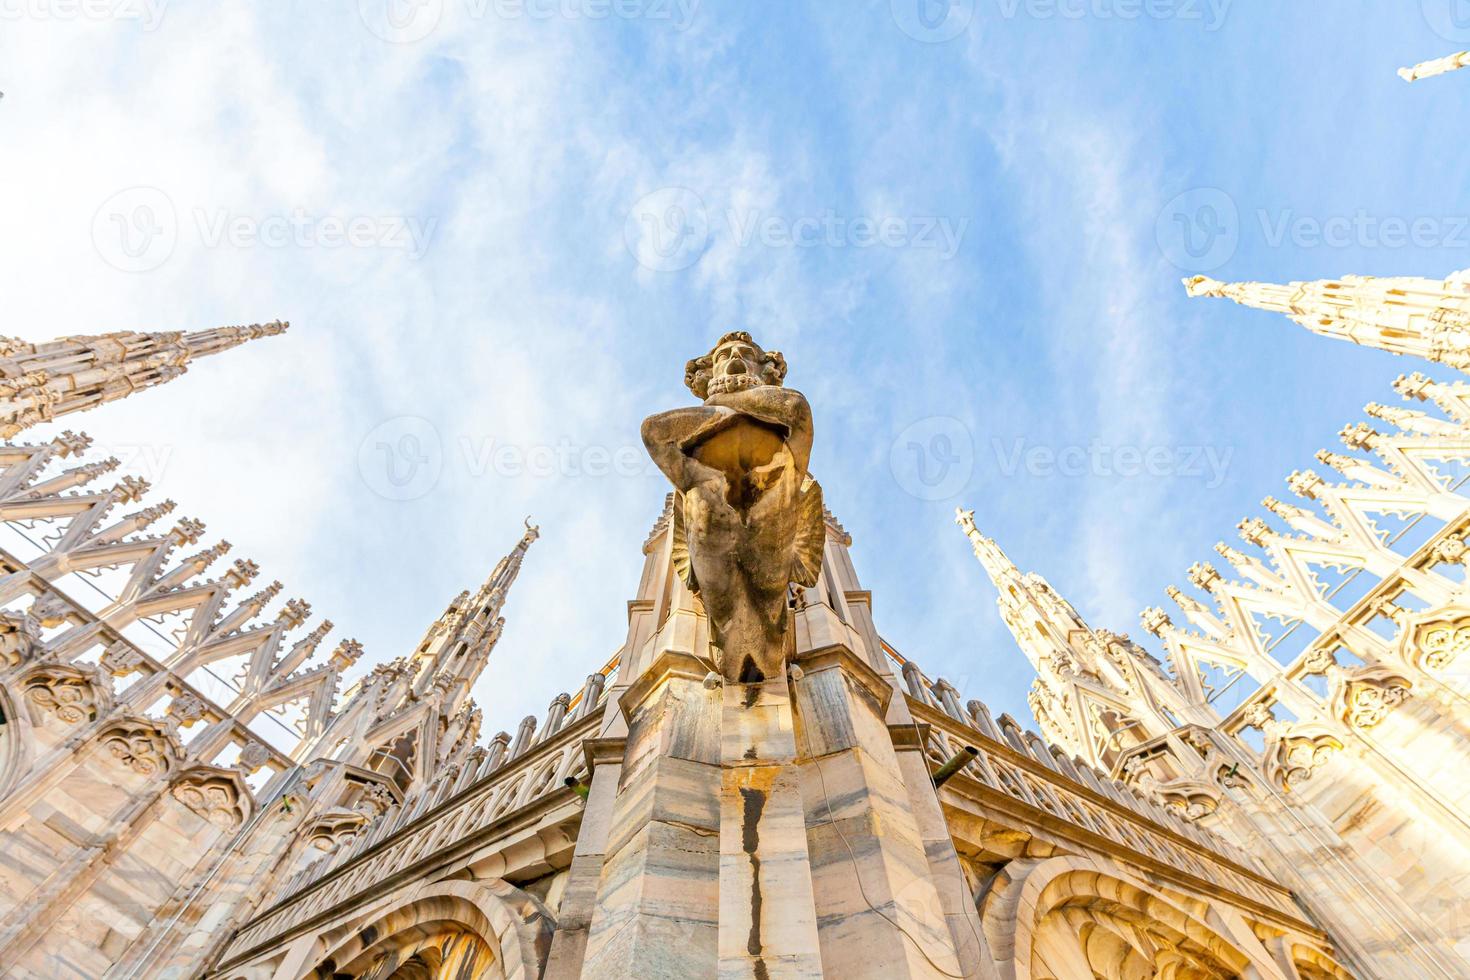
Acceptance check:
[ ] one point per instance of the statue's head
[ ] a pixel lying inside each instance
(736, 362)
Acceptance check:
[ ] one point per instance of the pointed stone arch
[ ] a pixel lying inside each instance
(492, 925)
(1069, 915)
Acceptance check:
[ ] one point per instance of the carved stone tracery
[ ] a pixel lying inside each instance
(70, 694)
(217, 795)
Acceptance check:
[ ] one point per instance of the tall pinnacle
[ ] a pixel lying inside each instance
(39, 382)
(458, 645)
(1039, 618)
(997, 564)
(1436, 66)
(1428, 318)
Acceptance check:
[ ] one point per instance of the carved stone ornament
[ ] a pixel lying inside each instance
(120, 659)
(50, 611)
(1293, 759)
(184, 710)
(141, 746)
(1362, 698)
(252, 757)
(20, 638)
(335, 828)
(750, 521)
(216, 795)
(375, 800)
(1442, 641)
(68, 693)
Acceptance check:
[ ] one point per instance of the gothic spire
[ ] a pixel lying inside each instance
(458, 645)
(997, 565)
(1088, 693)
(39, 382)
(1039, 618)
(1403, 315)
(1436, 66)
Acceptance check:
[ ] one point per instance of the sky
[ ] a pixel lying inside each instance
(500, 227)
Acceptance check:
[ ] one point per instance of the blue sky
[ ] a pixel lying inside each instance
(550, 210)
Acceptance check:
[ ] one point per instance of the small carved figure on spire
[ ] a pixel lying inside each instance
(750, 522)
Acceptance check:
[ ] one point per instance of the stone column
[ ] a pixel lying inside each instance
(579, 899)
(658, 898)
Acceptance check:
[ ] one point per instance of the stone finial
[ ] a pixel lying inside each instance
(1414, 386)
(1305, 483)
(1451, 550)
(1359, 436)
(1254, 531)
(1155, 621)
(1204, 576)
(1435, 66)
